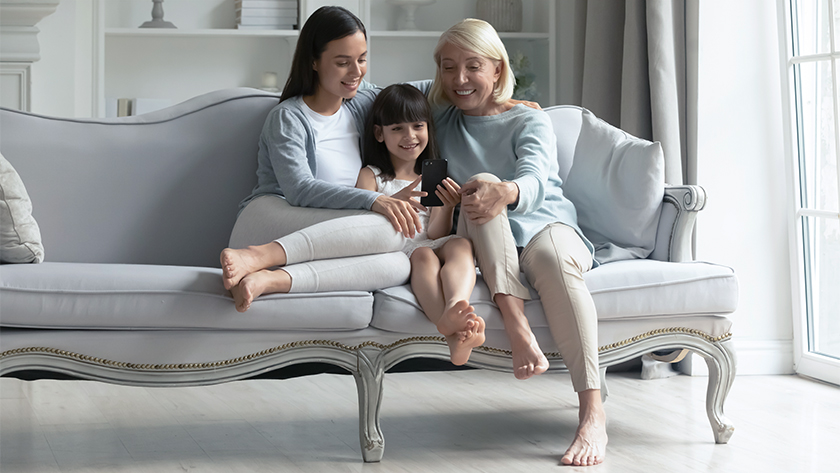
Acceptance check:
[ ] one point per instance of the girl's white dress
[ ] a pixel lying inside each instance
(421, 239)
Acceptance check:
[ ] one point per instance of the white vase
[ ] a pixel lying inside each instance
(406, 18)
(504, 15)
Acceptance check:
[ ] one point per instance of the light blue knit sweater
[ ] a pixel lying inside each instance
(518, 145)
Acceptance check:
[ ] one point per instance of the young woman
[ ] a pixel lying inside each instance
(309, 158)
(398, 138)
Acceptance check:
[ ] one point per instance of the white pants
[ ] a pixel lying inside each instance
(326, 249)
(554, 262)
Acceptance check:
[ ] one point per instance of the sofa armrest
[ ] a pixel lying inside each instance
(676, 222)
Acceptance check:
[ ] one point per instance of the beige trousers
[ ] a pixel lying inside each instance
(554, 262)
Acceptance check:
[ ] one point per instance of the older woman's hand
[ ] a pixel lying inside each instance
(534, 105)
(483, 200)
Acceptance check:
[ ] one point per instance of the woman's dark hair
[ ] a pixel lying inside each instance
(398, 103)
(324, 25)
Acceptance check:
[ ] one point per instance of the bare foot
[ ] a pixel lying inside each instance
(236, 264)
(456, 318)
(528, 358)
(461, 343)
(590, 444)
(256, 284)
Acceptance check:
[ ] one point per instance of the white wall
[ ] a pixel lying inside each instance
(54, 76)
(742, 167)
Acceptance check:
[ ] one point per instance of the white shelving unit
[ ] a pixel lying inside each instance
(207, 52)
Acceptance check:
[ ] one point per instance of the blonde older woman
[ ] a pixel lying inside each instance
(514, 211)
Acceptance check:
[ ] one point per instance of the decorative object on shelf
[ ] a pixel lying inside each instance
(525, 88)
(157, 20)
(266, 14)
(269, 82)
(504, 15)
(405, 22)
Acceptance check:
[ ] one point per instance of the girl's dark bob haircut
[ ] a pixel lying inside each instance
(398, 103)
(324, 25)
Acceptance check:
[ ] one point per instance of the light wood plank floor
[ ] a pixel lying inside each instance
(468, 421)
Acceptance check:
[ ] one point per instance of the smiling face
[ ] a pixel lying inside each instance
(341, 68)
(469, 79)
(405, 141)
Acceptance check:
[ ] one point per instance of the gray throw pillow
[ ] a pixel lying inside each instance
(616, 182)
(20, 237)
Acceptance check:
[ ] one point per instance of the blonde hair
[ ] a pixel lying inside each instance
(479, 37)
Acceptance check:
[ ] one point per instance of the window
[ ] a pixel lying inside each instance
(811, 56)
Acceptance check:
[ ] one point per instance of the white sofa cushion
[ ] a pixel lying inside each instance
(121, 296)
(20, 237)
(621, 290)
(616, 183)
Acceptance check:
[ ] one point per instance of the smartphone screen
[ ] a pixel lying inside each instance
(434, 172)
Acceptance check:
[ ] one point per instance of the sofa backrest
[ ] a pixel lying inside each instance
(161, 188)
(567, 121)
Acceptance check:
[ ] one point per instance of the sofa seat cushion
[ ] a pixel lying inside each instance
(121, 296)
(622, 290)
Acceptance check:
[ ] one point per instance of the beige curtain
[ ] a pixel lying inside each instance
(640, 74)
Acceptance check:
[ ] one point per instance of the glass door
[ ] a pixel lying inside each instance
(811, 52)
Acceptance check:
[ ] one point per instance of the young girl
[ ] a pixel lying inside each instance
(398, 137)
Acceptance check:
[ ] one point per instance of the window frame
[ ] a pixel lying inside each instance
(806, 361)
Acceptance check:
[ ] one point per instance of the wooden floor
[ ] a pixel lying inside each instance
(467, 421)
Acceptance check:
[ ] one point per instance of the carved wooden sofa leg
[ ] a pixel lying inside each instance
(722, 365)
(369, 375)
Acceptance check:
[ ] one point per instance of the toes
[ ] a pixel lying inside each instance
(524, 372)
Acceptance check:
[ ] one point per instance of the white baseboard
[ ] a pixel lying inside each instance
(754, 357)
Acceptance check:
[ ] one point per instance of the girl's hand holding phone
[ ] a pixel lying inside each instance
(449, 192)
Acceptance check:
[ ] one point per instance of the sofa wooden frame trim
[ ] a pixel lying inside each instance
(369, 361)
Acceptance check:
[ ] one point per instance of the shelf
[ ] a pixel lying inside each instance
(173, 64)
(170, 32)
(436, 34)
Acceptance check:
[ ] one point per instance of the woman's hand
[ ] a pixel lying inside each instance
(482, 200)
(401, 209)
(448, 191)
(534, 105)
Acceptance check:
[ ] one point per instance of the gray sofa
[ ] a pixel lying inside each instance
(133, 213)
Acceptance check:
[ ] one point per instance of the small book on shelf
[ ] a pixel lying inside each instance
(283, 12)
(266, 4)
(266, 27)
(287, 22)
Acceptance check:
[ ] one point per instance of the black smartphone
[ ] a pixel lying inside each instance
(434, 172)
